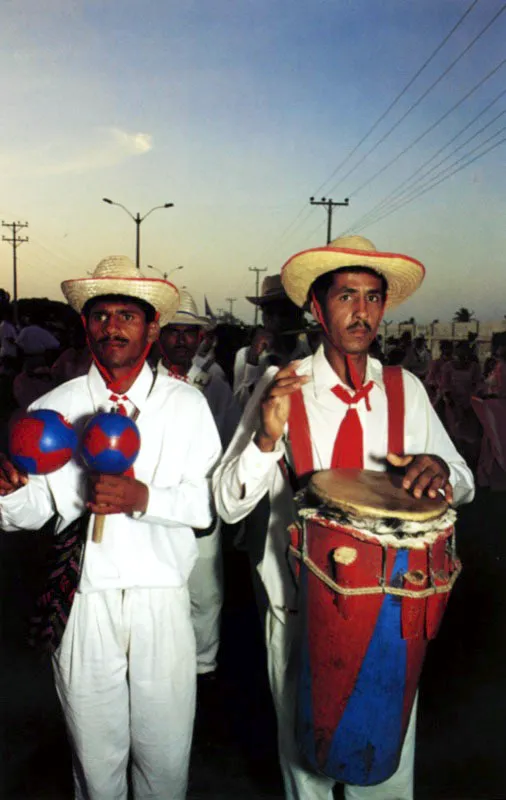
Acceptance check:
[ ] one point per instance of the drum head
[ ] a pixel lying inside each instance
(368, 493)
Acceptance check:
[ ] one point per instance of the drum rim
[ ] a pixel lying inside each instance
(432, 508)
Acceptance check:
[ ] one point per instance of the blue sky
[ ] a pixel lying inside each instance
(237, 112)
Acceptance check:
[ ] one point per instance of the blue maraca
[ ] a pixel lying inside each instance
(41, 441)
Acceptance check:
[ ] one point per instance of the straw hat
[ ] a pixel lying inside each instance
(403, 274)
(119, 275)
(272, 289)
(187, 313)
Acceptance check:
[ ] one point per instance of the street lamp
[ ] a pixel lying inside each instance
(137, 219)
(165, 275)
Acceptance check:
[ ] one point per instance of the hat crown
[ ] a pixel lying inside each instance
(353, 243)
(116, 267)
(187, 306)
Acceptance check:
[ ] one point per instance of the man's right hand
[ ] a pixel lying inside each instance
(262, 341)
(275, 408)
(10, 477)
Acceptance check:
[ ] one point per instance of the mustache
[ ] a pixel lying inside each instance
(107, 339)
(359, 324)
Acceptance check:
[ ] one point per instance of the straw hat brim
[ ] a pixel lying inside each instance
(161, 294)
(187, 318)
(402, 273)
(267, 298)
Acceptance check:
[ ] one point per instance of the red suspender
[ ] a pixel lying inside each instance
(299, 436)
(298, 423)
(394, 387)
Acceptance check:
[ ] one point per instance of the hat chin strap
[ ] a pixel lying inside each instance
(115, 385)
(350, 366)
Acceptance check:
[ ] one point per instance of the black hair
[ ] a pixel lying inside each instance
(147, 308)
(321, 285)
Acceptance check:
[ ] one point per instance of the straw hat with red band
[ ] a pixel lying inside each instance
(119, 275)
(402, 273)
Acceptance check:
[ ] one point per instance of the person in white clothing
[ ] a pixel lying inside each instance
(125, 669)
(348, 285)
(276, 342)
(178, 344)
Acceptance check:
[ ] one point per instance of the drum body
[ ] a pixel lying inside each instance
(369, 604)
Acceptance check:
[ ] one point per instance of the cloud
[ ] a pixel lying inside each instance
(111, 146)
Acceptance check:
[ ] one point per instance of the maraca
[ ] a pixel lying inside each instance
(110, 445)
(41, 441)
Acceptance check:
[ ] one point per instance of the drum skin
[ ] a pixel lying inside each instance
(361, 655)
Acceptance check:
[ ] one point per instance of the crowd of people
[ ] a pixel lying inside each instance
(212, 403)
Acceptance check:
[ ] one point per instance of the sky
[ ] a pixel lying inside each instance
(237, 112)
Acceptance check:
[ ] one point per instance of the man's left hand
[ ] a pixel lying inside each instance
(117, 494)
(425, 474)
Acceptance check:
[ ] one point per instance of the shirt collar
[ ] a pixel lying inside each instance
(324, 377)
(137, 394)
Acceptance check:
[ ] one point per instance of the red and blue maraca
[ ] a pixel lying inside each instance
(110, 445)
(41, 441)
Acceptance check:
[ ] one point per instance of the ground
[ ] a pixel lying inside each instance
(462, 718)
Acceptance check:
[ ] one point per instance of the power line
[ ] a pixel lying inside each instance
(430, 128)
(16, 240)
(329, 206)
(399, 190)
(257, 281)
(440, 180)
(401, 94)
(417, 103)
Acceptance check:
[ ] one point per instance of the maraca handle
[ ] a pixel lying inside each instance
(98, 528)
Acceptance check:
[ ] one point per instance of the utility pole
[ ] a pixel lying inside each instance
(16, 240)
(329, 204)
(258, 271)
(231, 300)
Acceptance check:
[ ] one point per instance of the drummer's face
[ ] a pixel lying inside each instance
(354, 307)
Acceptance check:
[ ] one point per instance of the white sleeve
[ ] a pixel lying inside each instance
(431, 438)
(190, 502)
(245, 473)
(29, 507)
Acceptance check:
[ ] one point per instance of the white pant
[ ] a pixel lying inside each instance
(125, 677)
(206, 594)
(301, 783)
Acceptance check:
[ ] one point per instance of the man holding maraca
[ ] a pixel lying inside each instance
(125, 667)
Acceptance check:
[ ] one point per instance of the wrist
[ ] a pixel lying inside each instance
(265, 443)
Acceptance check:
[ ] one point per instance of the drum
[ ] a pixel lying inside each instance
(375, 568)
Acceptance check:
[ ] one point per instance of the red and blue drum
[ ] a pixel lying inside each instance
(375, 569)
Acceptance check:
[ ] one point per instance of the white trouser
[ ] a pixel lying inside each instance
(125, 677)
(302, 783)
(206, 595)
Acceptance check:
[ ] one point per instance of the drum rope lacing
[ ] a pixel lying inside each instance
(383, 587)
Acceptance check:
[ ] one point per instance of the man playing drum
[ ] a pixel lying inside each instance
(347, 285)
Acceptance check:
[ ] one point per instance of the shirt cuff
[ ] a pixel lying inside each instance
(254, 465)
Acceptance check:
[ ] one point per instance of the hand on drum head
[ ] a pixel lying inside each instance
(10, 477)
(275, 407)
(427, 474)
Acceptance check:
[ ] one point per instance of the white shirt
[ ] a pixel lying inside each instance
(246, 474)
(34, 340)
(246, 375)
(8, 335)
(179, 449)
(216, 390)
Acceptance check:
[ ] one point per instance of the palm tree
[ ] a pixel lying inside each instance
(463, 315)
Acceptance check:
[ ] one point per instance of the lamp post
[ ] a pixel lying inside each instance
(165, 275)
(137, 219)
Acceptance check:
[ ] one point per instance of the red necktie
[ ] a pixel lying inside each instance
(349, 446)
(121, 409)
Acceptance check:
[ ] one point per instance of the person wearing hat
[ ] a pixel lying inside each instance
(178, 344)
(275, 343)
(348, 285)
(125, 668)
